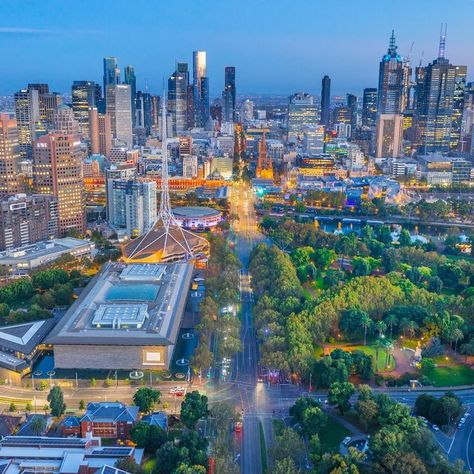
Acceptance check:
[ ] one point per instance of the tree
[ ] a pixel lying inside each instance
(314, 420)
(128, 464)
(328, 370)
(361, 266)
(38, 425)
(363, 365)
(56, 401)
(339, 394)
(467, 349)
(168, 456)
(405, 239)
(82, 405)
(185, 469)
(12, 407)
(288, 445)
(324, 257)
(354, 324)
(193, 408)
(301, 405)
(286, 466)
(367, 411)
(146, 398)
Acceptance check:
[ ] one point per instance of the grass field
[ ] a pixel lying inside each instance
(370, 350)
(149, 466)
(451, 376)
(332, 435)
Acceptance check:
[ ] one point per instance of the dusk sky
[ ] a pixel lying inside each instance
(277, 46)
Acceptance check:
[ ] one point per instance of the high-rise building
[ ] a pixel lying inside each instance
(111, 72)
(302, 112)
(131, 80)
(119, 108)
(352, 106)
(201, 104)
(391, 81)
(325, 100)
(178, 84)
(389, 136)
(9, 156)
(48, 103)
(57, 171)
(369, 107)
(131, 204)
(27, 117)
(229, 95)
(440, 88)
(64, 121)
(458, 108)
(144, 111)
(83, 97)
(25, 220)
(313, 141)
(100, 132)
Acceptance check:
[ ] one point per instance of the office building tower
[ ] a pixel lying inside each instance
(27, 117)
(437, 85)
(247, 110)
(369, 107)
(57, 171)
(9, 156)
(64, 121)
(352, 106)
(313, 141)
(131, 80)
(325, 100)
(389, 136)
(458, 108)
(302, 112)
(229, 95)
(100, 133)
(391, 81)
(155, 111)
(119, 108)
(144, 111)
(48, 102)
(84, 94)
(111, 72)
(25, 220)
(190, 166)
(131, 204)
(201, 104)
(178, 84)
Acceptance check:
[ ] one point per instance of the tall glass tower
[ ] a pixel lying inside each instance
(201, 104)
(325, 100)
(229, 95)
(131, 80)
(178, 84)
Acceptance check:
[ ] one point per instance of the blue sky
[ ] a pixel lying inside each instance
(277, 46)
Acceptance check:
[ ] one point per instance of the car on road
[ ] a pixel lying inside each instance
(435, 427)
(423, 420)
(346, 440)
(238, 426)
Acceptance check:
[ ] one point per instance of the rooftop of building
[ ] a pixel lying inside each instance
(41, 249)
(195, 211)
(137, 304)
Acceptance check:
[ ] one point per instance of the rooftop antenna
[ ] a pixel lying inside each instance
(442, 40)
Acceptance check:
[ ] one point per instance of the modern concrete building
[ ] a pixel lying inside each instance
(27, 115)
(25, 220)
(9, 156)
(21, 261)
(389, 136)
(57, 170)
(118, 99)
(128, 317)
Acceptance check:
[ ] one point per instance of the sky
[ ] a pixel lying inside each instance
(277, 46)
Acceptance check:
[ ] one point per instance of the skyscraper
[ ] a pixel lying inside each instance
(57, 170)
(131, 80)
(48, 102)
(229, 95)
(83, 97)
(389, 136)
(369, 107)
(439, 91)
(201, 104)
(391, 81)
(325, 100)
(302, 112)
(100, 132)
(119, 108)
(131, 204)
(178, 84)
(111, 72)
(458, 108)
(352, 106)
(9, 156)
(144, 112)
(64, 121)
(27, 117)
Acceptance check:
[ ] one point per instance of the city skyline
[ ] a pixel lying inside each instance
(37, 46)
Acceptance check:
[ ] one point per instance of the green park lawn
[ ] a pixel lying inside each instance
(370, 350)
(451, 376)
(149, 466)
(332, 435)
